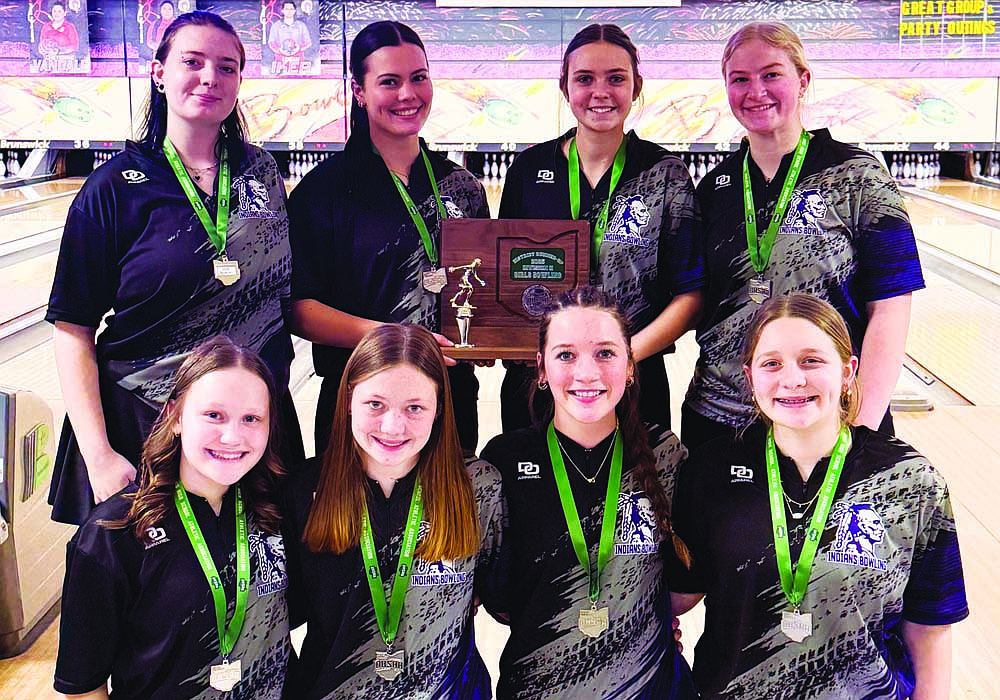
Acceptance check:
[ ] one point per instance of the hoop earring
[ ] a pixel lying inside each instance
(543, 385)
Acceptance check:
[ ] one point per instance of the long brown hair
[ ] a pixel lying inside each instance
(822, 315)
(159, 467)
(334, 523)
(635, 437)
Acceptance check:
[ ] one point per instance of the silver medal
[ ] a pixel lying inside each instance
(435, 280)
(226, 271)
(225, 676)
(795, 625)
(389, 665)
(759, 290)
(593, 621)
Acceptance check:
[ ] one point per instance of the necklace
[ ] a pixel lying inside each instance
(588, 479)
(804, 506)
(197, 173)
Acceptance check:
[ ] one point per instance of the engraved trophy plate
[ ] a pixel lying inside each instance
(524, 264)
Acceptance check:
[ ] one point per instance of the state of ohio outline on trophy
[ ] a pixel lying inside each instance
(518, 266)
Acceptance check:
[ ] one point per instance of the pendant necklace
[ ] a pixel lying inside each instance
(589, 479)
(804, 506)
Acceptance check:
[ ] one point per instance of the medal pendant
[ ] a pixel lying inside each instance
(225, 676)
(796, 626)
(435, 280)
(388, 665)
(759, 290)
(593, 621)
(226, 271)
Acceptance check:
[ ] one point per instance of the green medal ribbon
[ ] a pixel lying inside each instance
(795, 590)
(760, 251)
(388, 619)
(227, 635)
(216, 231)
(418, 220)
(574, 192)
(573, 519)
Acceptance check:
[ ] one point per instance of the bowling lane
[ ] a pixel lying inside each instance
(31, 221)
(971, 192)
(968, 236)
(26, 194)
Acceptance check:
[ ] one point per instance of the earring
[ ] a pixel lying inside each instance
(160, 87)
(543, 385)
(630, 381)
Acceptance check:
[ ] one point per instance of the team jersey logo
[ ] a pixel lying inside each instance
(435, 573)
(805, 212)
(722, 181)
(155, 535)
(740, 474)
(134, 177)
(528, 470)
(254, 199)
(631, 216)
(546, 177)
(270, 553)
(451, 209)
(637, 532)
(859, 531)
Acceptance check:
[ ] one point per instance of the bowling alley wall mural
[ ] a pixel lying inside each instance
(897, 75)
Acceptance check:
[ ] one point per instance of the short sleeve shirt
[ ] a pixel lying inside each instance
(888, 553)
(330, 593)
(547, 656)
(141, 612)
(355, 246)
(846, 238)
(649, 253)
(134, 245)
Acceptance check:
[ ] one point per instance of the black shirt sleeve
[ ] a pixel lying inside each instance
(94, 600)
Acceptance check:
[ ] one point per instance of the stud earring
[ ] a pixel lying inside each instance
(160, 87)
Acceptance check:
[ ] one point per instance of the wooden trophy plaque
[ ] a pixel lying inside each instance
(522, 265)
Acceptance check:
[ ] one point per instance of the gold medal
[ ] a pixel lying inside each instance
(795, 625)
(389, 665)
(593, 621)
(435, 280)
(226, 271)
(226, 675)
(759, 290)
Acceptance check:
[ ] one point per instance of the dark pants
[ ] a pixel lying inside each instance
(464, 398)
(654, 393)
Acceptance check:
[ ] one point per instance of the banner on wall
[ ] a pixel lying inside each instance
(289, 37)
(55, 32)
(153, 17)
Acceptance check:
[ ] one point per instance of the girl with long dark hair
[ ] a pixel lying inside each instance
(183, 235)
(366, 223)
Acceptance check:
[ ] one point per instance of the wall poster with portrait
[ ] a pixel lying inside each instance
(57, 36)
(289, 37)
(153, 18)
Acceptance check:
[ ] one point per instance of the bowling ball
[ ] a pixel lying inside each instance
(502, 112)
(73, 110)
(937, 111)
